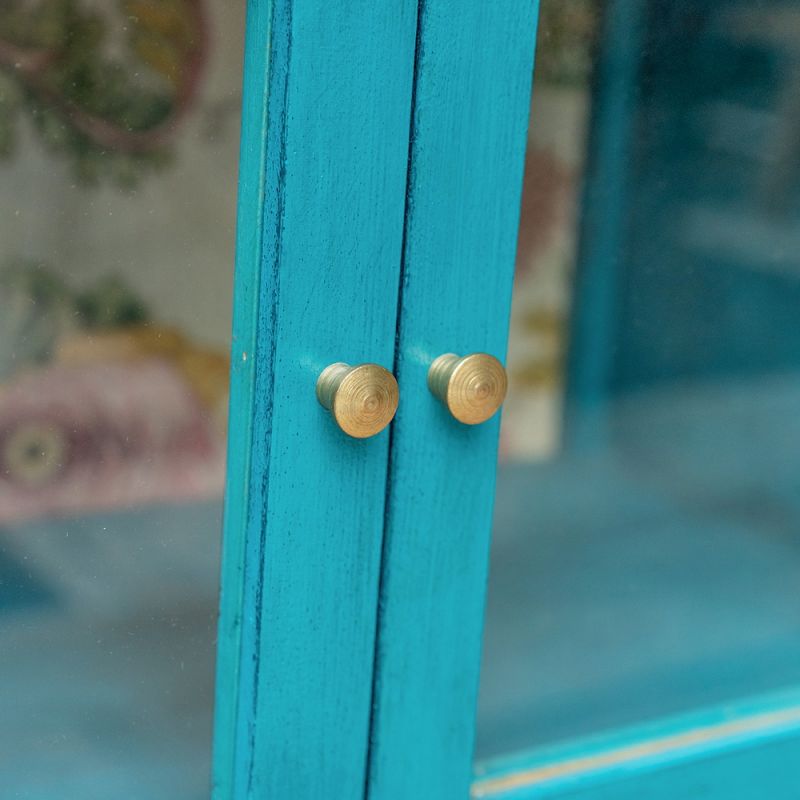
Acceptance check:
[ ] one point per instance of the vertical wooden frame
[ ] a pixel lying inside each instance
(471, 103)
(327, 101)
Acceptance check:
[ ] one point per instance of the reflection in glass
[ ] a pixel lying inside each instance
(646, 550)
(118, 152)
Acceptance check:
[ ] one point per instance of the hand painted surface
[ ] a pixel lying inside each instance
(96, 412)
(160, 221)
(117, 213)
(98, 277)
(101, 77)
(81, 437)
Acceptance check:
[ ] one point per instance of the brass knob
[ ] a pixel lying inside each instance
(362, 399)
(472, 387)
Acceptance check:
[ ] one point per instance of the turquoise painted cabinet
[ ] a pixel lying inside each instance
(382, 159)
(327, 103)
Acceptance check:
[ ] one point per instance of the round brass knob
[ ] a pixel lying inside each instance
(362, 399)
(472, 387)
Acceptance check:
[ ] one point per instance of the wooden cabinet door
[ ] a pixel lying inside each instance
(381, 185)
(472, 88)
(327, 99)
(658, 546)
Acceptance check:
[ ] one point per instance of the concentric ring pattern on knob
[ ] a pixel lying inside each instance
(473, 387)
(362, 399)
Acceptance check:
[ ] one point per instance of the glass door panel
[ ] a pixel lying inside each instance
(119, 129)
(646, 549)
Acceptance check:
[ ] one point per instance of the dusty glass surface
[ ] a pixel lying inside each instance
(646, 549)
(118, 159)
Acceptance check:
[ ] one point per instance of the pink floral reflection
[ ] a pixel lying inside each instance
(90, 436)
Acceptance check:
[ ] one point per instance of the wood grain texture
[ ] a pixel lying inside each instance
(741, 750)
(471, 101)
(324, 160)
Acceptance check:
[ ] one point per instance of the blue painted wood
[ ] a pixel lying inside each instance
(327, 103)
(472, 91)
(247, 278)
(742, 750)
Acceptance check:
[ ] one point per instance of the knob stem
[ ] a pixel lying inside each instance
(439, 374)
(329, 381)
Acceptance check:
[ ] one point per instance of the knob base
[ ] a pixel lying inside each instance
(329, 381)
(439, 375)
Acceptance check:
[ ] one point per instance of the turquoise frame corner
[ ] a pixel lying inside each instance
(741, 749)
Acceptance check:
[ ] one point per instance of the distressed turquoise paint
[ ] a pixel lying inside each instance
(741, 763)
(324, 158)
(472, 90)
(247, 278)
